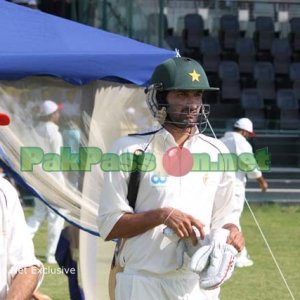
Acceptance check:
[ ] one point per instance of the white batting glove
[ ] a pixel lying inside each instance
(185, 245)
(220, 268)
(220, 263)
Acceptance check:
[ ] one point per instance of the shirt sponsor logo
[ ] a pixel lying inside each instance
(157, 180)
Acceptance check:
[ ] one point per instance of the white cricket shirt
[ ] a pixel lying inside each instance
(208, 196)
(238, 144)
(16, 247)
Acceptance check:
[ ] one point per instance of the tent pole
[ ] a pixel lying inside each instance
(161, 23)
(104, 14)
(130, 16)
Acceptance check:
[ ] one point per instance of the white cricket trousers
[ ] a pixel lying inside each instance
(55, 225)
(239, 197)
(133, 286)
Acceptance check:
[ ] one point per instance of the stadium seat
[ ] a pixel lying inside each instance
(281, 53)
(295, 34)
(264, 76)
(175, 42)
(252, 98)
(193, 30)
(253, 106)
(230, 81)
(264, 35)
(211, 54)
(289, 109)
(153, 28)
(229, 31)
(245, 51)
(294, 75)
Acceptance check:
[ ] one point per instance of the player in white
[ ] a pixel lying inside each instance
(237, 143)
(50, 139)
(199, 199)
(21, 272)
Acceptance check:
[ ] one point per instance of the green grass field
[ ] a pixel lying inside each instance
(262, 281)
(54, 285)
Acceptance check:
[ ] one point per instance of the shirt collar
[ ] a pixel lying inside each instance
(169, 139)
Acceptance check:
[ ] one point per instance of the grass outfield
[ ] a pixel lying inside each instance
(53, 285)
(262, 281)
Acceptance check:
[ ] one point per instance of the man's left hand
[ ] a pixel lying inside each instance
(235, 237)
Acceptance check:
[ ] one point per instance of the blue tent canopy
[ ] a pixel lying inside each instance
(35, 43)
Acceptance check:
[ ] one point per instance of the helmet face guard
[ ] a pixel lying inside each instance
(163, 112)
(178, 73)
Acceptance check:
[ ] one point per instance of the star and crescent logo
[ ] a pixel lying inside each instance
(195, 76)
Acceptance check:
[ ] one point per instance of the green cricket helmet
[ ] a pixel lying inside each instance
(179, 73)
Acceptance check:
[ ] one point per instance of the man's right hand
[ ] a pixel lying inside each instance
(263, 184)
(183, 223)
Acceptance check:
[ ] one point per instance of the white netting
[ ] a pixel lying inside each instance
(94, 115)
